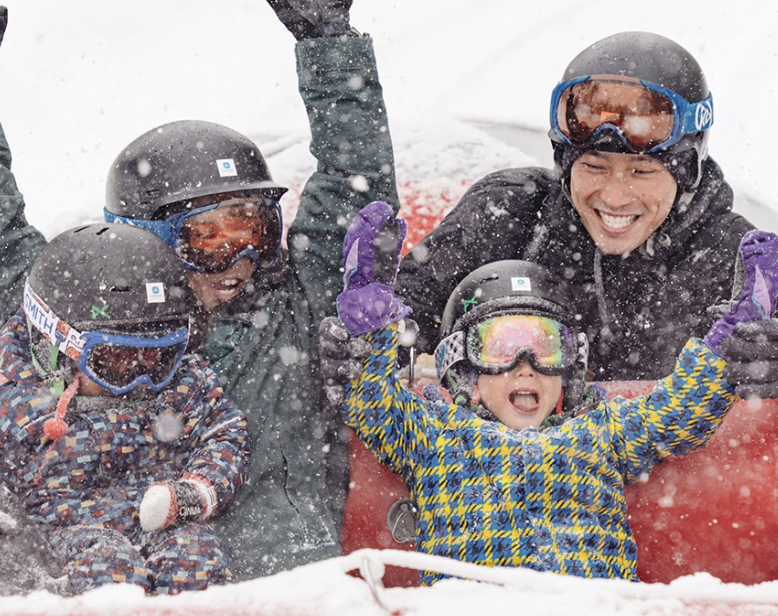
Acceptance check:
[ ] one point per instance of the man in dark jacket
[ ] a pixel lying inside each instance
(635, 216)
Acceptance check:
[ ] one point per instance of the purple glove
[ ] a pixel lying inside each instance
(754, 290)
(371, 256)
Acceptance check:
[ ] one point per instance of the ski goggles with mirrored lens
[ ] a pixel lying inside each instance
(118, 362)
(213, 237)
(121, 362)
(647, 117)
(498, 344)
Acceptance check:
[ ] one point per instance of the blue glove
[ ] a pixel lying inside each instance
(755, 295)
(371, 257)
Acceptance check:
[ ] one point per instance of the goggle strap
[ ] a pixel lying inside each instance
(161, 228)
(698, 116)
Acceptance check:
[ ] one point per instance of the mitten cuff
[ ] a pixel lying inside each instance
(371, 307)
(207, 494)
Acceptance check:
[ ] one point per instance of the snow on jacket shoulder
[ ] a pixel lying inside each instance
(115, 447)
(551, 499)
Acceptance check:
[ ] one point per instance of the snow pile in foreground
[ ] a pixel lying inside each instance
(325, 589)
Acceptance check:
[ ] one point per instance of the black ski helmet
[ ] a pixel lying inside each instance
(659, 60)
(510, 287)
(180, 161)
(112, 278)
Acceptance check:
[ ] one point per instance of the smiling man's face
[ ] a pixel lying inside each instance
(621, 198)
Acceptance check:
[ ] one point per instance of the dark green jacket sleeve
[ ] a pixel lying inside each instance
(20, 242)
(351, 142)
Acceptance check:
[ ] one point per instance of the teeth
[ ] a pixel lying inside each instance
(230, 282)
(617, 222)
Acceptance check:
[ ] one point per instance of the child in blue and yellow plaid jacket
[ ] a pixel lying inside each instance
(518, 463)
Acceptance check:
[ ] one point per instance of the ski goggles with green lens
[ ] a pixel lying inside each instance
(117, 362)
(646, 117)
(213, 237)
(499, 343)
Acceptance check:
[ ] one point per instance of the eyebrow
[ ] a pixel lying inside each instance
(637, 157)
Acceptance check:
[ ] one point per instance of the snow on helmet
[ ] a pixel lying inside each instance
(500, 288)
(662, 64)
(155, 175)
(117, 280)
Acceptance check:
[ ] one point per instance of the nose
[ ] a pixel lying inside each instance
(524, 368)
(617, 191)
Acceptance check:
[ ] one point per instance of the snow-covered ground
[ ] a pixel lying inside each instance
(82, 79)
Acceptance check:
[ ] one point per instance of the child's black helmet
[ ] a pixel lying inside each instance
(180, 161)
(514, 285)
(508, 287)
(116, 276)
(656, 59)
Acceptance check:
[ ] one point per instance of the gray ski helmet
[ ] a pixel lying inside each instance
(112, 277)
(155, 175)
(652, 58)
(511, 287)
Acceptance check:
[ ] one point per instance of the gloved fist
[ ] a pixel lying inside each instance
(341, 357)
(371, 257)
(176, 502)
(754, 298)
(752, 350)
(313, 18)
(3, 22)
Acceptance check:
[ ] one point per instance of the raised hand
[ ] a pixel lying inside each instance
(307, 19)
(746, 334)
(371, 257)
(3, 22)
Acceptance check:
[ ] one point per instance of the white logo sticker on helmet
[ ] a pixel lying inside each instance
(520, 283)
(155, 293)
(227, 168)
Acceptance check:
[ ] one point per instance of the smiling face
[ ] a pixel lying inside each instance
(215, 289)
(521, 397)
(621, 198)
(212, 289)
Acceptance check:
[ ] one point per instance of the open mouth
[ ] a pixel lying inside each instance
(228, 286)
(525, 401)
(617, 221)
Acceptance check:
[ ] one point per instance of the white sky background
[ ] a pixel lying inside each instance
(81, 79)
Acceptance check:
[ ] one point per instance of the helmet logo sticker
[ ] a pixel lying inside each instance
(520, 283)
(703, 119)
(227, 168)
(98, 311)
(155, 293)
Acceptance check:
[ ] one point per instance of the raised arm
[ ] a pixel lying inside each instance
(350, 139)
(20, 242)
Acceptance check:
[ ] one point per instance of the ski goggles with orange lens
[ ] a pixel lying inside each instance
(498, 344)
(213, 237)
(646, 117)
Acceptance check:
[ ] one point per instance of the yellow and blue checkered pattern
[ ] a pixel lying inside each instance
(550, 499)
